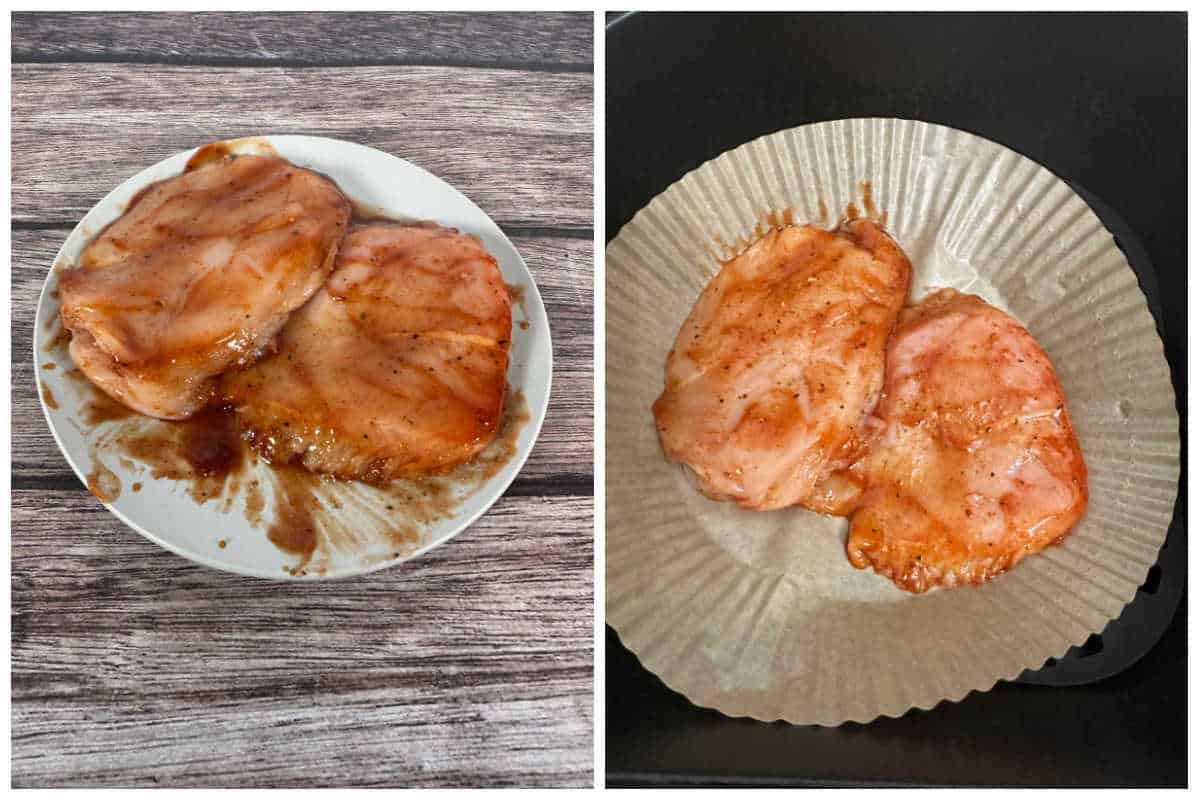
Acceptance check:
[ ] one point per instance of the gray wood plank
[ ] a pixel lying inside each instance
(518, 143)
(470, 665)
(561, 461)
(543, 40)
(133, 667)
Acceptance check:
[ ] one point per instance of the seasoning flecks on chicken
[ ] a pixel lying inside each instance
(780, 362)
(395, 368)
(197, 276)
(975, 464)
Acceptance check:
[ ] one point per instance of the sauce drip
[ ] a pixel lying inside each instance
(204, 451)
(48, 398)
(768, 221)
(100, 408)
(294, 528)
(60, 339)
(103, 482)
(213, 151)
(868, 200)
(781, 219)
(516, 294)
(210, 443)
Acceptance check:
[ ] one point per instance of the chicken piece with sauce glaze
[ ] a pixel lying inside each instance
(780, 362)
(395, 368)
(972, 463)
(197, 276)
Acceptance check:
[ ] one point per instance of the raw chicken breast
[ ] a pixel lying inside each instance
(779, 363)
(197, 276)
(395, 368)
(974, 464)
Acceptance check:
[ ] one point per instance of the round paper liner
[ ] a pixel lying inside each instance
(760, 614)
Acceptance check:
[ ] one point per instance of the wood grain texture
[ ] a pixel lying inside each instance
(131, 666)
(517, 143)
(551, 41)
(471, 665)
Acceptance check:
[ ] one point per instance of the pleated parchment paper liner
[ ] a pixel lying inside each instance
(760, 614)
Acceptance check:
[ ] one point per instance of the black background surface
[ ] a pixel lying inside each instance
(1101, 101)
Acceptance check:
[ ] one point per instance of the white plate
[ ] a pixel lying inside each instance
(162, 511)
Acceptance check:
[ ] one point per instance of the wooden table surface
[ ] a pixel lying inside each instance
(469, 665)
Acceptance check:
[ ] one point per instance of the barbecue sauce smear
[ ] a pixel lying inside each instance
(311, 515)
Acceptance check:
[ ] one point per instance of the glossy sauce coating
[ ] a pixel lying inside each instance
(780, 361)
(395, 368)
(197, 276)
(973, 463)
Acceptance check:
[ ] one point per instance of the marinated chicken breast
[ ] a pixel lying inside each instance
(974, 464)
(395, 368)
(197, 276)
(779, 363)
